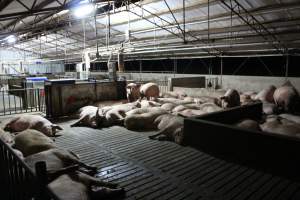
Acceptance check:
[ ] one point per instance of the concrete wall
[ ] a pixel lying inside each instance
(68, 98)
(241, 83)
(190, 82)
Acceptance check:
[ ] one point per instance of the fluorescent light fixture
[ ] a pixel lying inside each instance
(62, 12)
(84, 10)
(11, 39)
(84, 1)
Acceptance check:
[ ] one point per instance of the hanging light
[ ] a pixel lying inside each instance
(11, 39)
(84, 10)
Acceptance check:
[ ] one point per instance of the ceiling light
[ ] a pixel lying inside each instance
(84, 10)
(11, 39)
(62, 12)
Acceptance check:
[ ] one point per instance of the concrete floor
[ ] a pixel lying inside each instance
(150, 169)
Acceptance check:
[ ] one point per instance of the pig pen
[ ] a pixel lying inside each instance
(269, 152)
(150, 169)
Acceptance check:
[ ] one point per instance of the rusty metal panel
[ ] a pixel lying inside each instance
(65, 99)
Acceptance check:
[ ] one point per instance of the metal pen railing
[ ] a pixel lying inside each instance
(14, 101)
(18, 181)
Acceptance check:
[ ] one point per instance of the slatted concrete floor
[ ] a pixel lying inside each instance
(150, 169)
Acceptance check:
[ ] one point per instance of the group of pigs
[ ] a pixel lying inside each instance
(147, 110)
(281, 108)
(68, 178)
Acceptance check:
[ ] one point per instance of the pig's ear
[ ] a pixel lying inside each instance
(56, 127)
(99, 113)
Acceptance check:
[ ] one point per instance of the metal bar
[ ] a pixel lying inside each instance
(241, 65)
(20, 2)
(15, 103)
(287, 67)
(208, 22)
(21, 104)
(143, 9)
(257, 26)
(39, 102)
(221, 72)
(3, 101)
(175, 19)
(183, 13)
(9, 103)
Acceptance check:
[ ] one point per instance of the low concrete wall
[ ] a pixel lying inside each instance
(241, 83)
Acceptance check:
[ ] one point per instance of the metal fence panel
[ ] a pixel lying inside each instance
(14, 101)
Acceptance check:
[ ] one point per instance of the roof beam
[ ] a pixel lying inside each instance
(4, 4)
(235, 7)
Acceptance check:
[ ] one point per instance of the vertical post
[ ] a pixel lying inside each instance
(208, 25)
(108, 27)
(41, 173)
(221, 72)
(141, 69)
(175, 67)
(183, 12)
(287, 67)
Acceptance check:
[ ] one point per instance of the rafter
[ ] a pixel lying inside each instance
(235, 7)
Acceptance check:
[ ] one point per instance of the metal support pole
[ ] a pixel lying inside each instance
(287, 67)
(141, 69)
(183, 12)
(108, 28)
(208, 24)
(221, 72)
(175, 67)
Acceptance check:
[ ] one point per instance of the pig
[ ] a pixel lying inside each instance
(290, 117)
(36, 122)
(148, 103)
(170, 128)
(143, 119)
(31, 141)
(246, 99)
(205, 99)
(269, 108)
(9, 140)
(149, 90)
(133, 92)
(172, 94)
(179, 108)
(188, 98)
(80, 186)
(248, 124)
(115, 114)
(193, 106)
(287, 98)
(209, 107)
(174, 101)
(6, 137)
(190, 112)
(266, 95)
(18, 153)
(57, 161)
(168, 106)
(283, 127)
(87, 117)
(230, 99)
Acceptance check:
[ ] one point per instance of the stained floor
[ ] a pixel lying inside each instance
(149, 169)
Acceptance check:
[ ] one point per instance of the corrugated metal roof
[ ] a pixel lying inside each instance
(273, 25)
